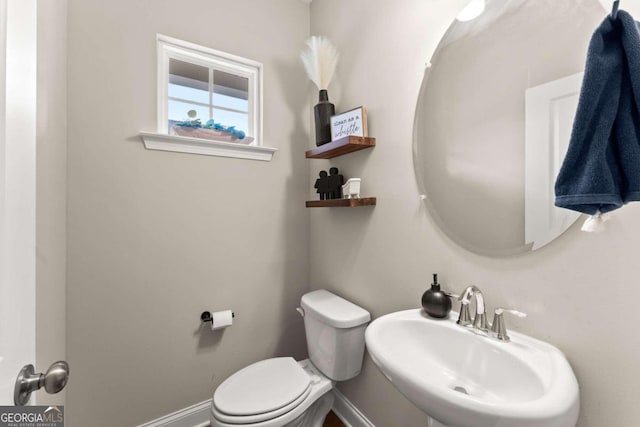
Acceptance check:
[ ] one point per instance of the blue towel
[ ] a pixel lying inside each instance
(601, 170)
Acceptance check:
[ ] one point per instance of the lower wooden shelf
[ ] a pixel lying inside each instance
(342, 203)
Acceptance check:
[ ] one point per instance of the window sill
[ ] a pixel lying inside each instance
(184, 144)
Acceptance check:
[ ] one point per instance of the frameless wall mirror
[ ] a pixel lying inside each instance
(494, 117)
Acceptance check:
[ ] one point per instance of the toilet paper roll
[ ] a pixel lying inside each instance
(221, 319)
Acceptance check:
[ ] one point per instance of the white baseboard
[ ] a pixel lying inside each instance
(198, 415)
(194, 416)
(349, 414)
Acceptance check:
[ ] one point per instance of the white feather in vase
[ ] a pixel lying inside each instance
(320, 60)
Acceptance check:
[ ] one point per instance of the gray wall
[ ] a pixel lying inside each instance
(577, 290)
(155, 238)
(51, 182)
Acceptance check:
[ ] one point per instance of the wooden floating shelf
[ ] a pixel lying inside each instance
(341, 146)
(342, 203)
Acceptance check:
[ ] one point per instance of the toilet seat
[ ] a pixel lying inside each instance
(262, 391)
(320, 385)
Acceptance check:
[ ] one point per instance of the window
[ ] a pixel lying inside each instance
(216, 85)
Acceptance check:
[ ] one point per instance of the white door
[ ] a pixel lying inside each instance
(18, 114)
(550, 110)
(17, 190)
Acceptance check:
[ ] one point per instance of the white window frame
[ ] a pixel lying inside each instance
(172, 48)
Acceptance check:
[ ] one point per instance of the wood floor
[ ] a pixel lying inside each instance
(332, 421)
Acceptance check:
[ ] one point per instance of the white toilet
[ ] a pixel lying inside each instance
(281, 392)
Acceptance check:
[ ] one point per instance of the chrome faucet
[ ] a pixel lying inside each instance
(480, 319)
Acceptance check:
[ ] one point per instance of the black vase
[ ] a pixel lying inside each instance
(323, 112)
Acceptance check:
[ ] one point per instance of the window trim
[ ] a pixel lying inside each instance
(169, 47)
(161, 140)
(185, 144)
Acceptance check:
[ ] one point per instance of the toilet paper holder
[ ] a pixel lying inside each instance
(206, 317)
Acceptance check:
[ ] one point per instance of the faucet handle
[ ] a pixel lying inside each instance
(465, 296)
(464, 317)
(516, 313)
(499, 327)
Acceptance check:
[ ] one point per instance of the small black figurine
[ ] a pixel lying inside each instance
(335, 184)
(322, 185)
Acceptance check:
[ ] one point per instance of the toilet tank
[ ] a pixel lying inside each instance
(335, 334)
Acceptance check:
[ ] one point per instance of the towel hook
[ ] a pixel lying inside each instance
(614, 11)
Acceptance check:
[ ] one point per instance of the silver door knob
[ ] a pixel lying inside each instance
(29, 381)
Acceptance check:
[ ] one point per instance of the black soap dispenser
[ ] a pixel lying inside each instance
(435, 302)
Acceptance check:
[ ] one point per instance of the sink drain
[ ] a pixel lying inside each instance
(460, 389)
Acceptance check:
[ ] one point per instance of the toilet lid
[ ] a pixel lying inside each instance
(262, 387)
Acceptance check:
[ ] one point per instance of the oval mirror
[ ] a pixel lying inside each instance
(494, 117)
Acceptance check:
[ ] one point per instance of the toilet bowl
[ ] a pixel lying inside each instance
(283, 392)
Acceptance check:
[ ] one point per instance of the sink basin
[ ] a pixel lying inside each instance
(463, 379)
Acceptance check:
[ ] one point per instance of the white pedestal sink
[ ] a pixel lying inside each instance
(463, 379)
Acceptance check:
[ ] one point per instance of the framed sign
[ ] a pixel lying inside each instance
(352, 122)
